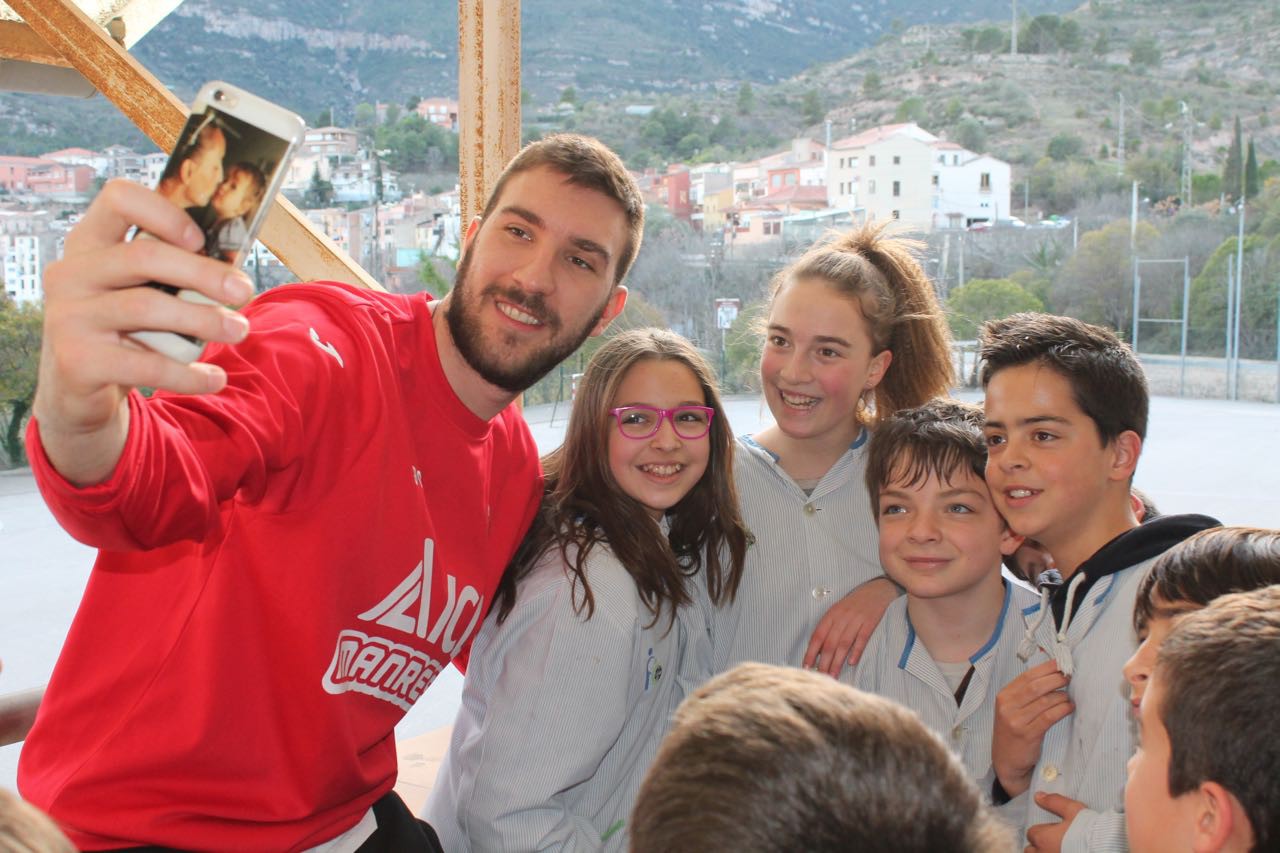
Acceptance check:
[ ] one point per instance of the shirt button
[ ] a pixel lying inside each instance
(1050, 772)
(821, 592)
(957, 732)
(810, 509)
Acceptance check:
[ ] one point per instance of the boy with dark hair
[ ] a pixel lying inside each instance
(777, 759)
(947, 646)
(1198, 782)
(1066, 407)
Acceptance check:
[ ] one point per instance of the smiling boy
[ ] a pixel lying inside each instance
(1066, 408)
(950, 643)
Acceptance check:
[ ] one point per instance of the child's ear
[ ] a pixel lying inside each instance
(1010, 541)
(1126, 448)
(876, 370)
(1220, 821)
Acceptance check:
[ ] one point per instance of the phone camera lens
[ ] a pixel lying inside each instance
(219, 95)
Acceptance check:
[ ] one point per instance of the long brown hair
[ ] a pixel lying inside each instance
(584, 507)
(882, 275)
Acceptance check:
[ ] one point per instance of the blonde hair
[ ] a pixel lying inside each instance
(882, 275)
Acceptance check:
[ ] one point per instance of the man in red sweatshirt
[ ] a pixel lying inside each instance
(299, 531)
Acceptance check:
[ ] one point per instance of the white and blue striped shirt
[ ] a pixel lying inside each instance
(809, 551)
(562, 715)
(899, 667)
(1084, 755)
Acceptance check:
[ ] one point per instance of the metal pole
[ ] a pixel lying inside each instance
(1235, 344)
(1133, 219)
(1137, 295)
(1186, 313)
(1231, 295)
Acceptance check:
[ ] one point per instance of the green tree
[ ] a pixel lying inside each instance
(19, 358)
(971, 135)
(1233, 169)
(743, 342)
(1144, 51)
(319, 192)
(411, 103)
(432, 278)
(1251, 181)
(1064, 146)
(872, 85)
(1208, 313)
(1049, 34)
(1096, 283)
(811, 107)
(746, 99)
(912, 109)
(568, 95)
(982, 299)
(324, 118)
(365, 115)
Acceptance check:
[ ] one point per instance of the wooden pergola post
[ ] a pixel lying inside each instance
(488, 97)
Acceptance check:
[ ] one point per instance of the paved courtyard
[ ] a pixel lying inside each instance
(1208, 456)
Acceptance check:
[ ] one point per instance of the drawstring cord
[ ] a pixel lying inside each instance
(1061, 649)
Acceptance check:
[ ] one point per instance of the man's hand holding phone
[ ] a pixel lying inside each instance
(92, 301)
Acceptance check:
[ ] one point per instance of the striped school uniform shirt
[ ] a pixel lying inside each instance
(1085, 755)
(897, 665)
(808, 552)
(562, 715)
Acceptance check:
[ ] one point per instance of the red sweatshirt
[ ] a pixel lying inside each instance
(284, 568)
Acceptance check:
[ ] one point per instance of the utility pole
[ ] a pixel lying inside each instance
(1013, 33)
(1186, 153)
(1120, 144)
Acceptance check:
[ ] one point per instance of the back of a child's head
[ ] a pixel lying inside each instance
(1219, 670)
(942, 438)
(1204, 566)
(772, 759)
(26, 829)
(881, 274)
(1106, 379)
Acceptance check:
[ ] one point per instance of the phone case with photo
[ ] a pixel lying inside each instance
(224, 171)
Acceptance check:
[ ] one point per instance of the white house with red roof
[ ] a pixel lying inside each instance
(903, 172)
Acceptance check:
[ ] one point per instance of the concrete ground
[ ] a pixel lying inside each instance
(1208, 456)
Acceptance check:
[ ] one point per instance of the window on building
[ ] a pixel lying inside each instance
(871, 187)
(984, 182)
(897, 188)
(955, 159)
(871, 161)
(897, 161)
(935, 180)
(897, 214)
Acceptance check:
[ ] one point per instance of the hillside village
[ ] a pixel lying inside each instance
(892, 172)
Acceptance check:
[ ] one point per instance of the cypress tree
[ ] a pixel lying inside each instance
(1251, 179)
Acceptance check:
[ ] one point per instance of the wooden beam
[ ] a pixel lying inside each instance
(158, 113)
(17, 41)
(488, 96)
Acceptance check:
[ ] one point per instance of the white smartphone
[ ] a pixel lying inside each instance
(224, 171)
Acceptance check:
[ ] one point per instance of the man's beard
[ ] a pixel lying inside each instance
(464, 327)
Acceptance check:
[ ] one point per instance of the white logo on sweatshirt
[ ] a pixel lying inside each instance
(327, 347)
(388, 670)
